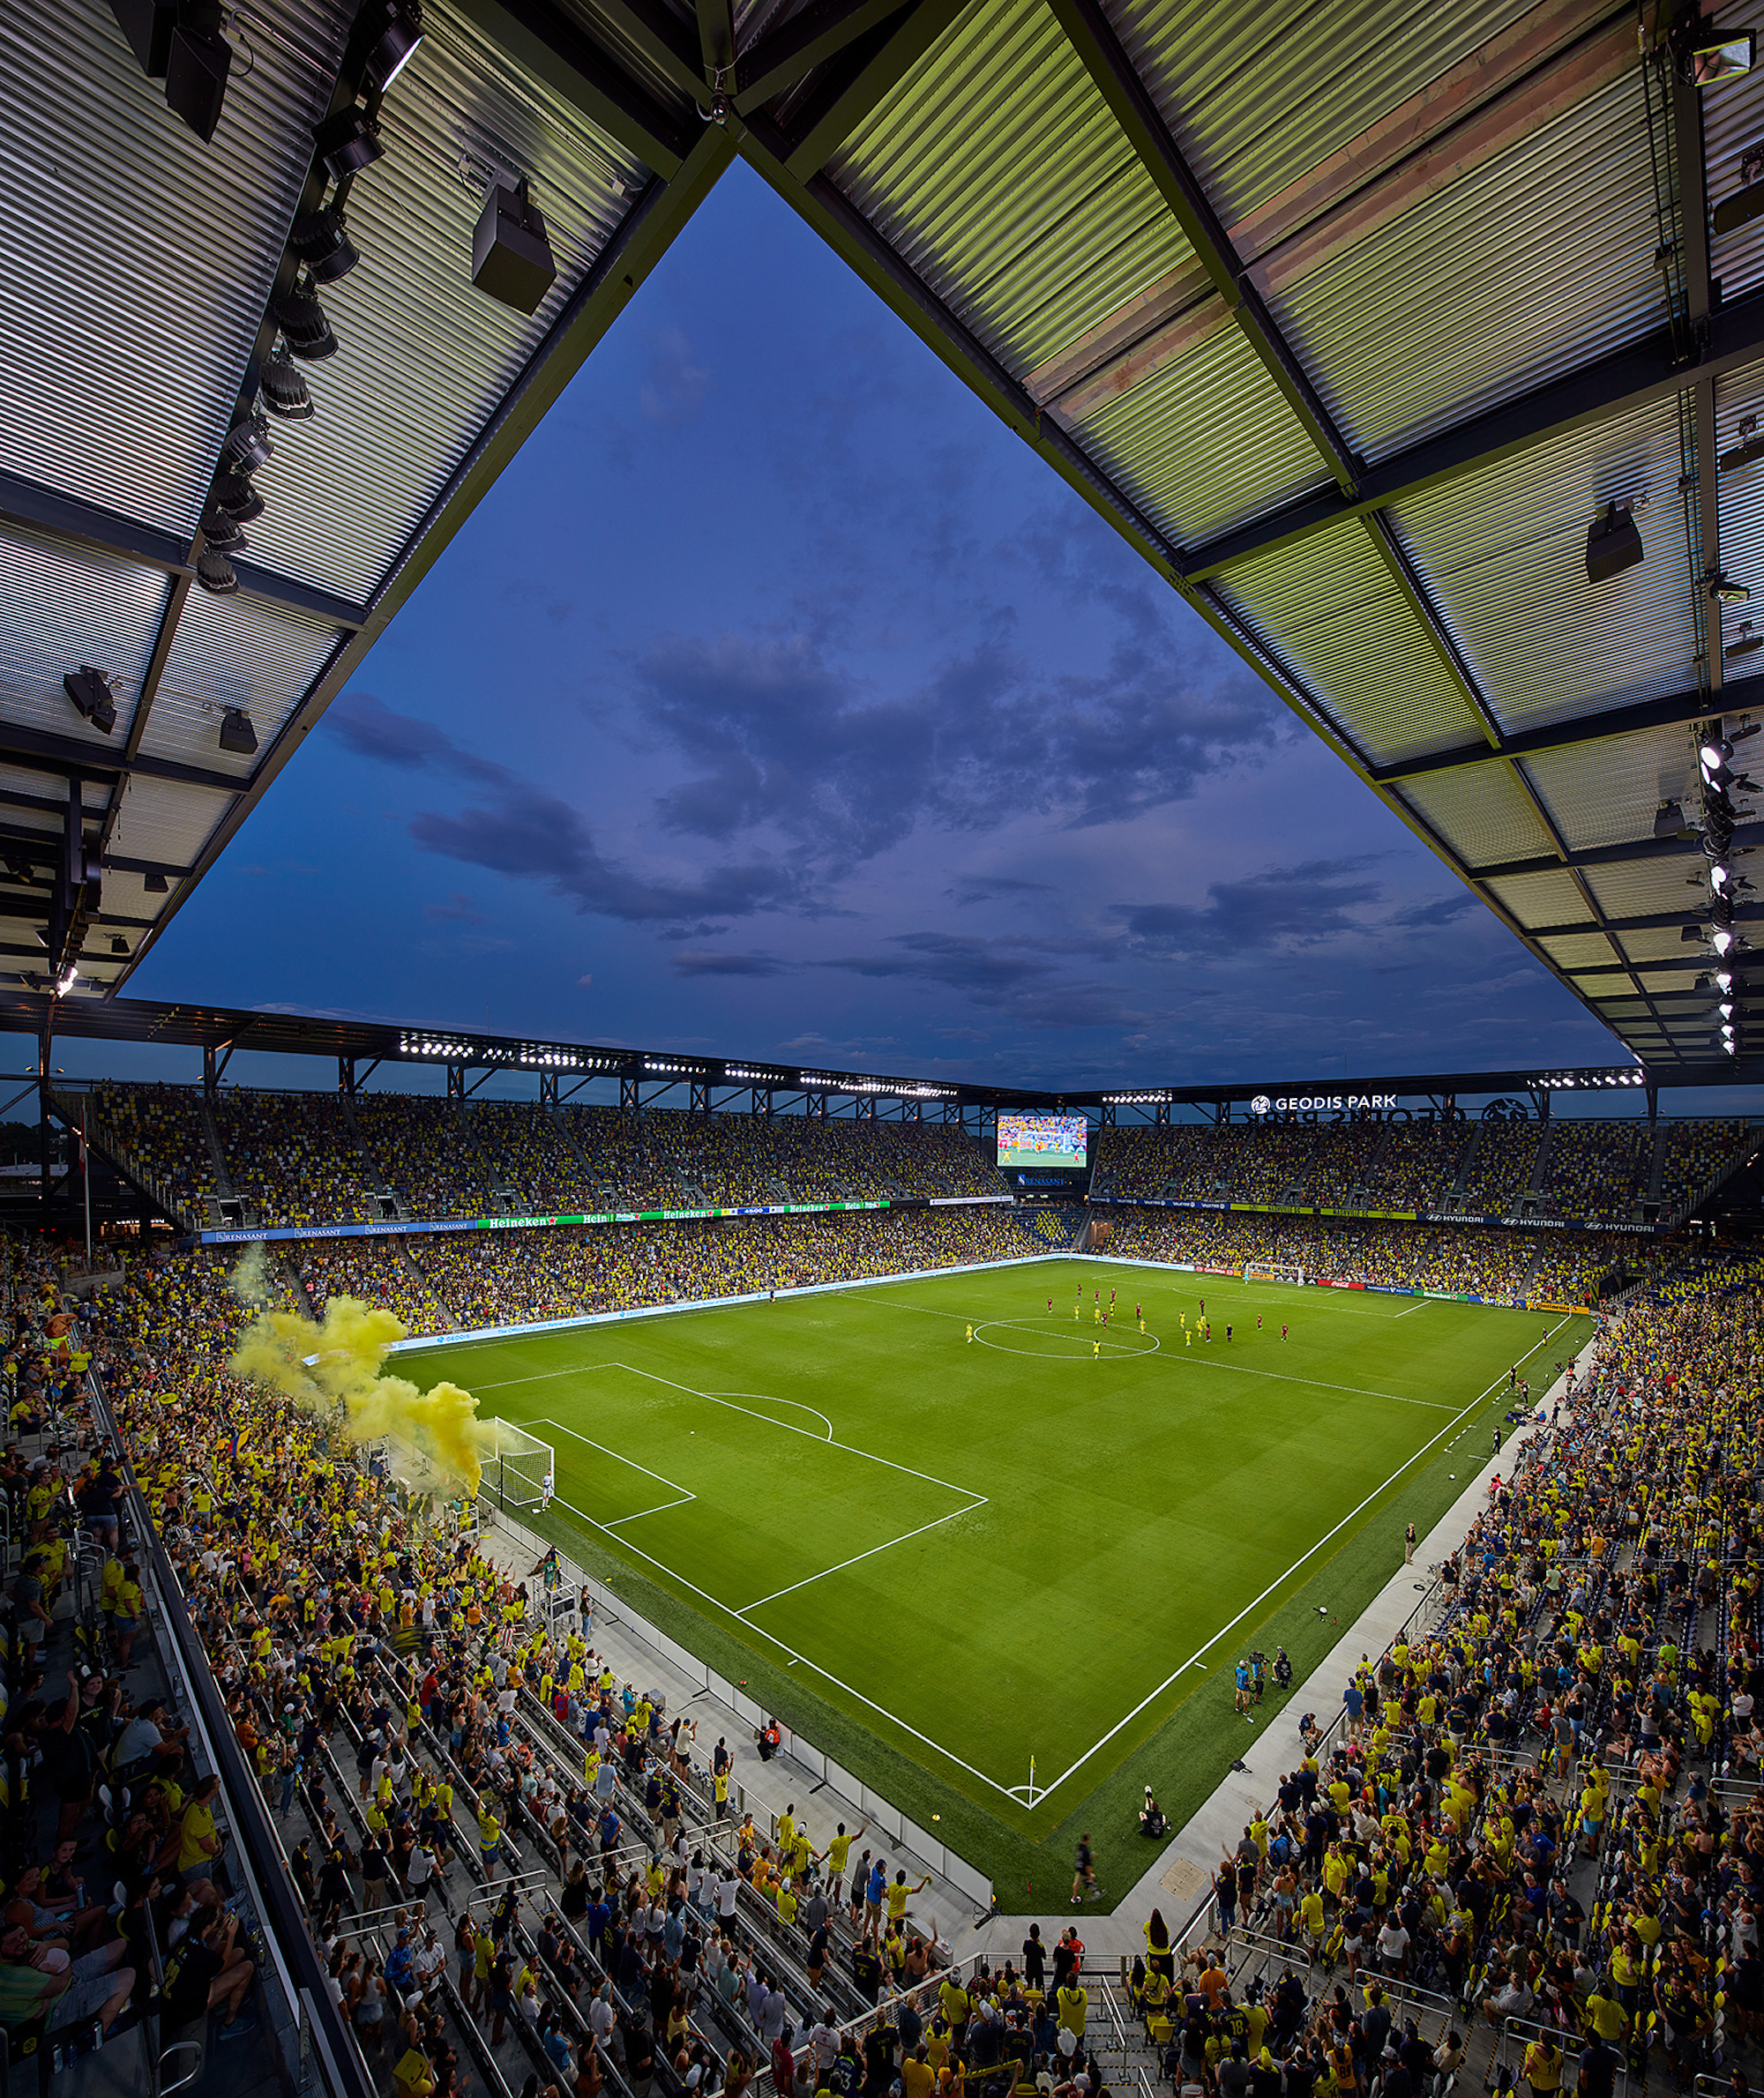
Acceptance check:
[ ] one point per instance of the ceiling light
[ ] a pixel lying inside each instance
(322, 242)
(1612, 544)
(237, 734)
(396, 29)
(236, 498)
(1718, 876)
(197, 66)
(66, 982)
(1732, 1047)
(1707, 56)
(282, 389)
(1714, 753)
(90, 692)
(119, 945)
(215, 572)
(248, 443)
(347, 142)
(1725, 978)
(1724, 590)
(155, 883)
(304, 326)
(511, 256)
(1725, 1009)
(1721, 939)
(221, 533)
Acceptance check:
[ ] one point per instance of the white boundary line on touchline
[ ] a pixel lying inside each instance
(1194, 1658)
(906, 1727)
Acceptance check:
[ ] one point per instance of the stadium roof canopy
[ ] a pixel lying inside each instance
(1353, 320)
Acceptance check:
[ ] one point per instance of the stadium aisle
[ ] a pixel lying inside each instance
(768, 1787)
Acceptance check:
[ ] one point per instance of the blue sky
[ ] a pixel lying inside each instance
(777, 701)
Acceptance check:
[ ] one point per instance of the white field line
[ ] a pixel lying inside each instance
(660, 1508)
(619, 1457)
(870, 1704)
(979, 1501)
(1195, 1657)
(1208, 1361)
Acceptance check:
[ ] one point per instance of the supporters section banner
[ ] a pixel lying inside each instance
(1382, 1216)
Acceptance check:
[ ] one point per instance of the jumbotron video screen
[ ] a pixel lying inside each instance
(1043, 1140)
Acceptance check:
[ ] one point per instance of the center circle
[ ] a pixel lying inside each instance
(1068, 1348)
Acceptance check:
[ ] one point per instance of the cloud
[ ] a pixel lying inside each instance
(674, 390)
(1023, 979)
(1442, 911)
(993, 888)
(699, 962)
(1282, 907)
(515, 828)
(778, 737)
(458, 908)
(584, 982)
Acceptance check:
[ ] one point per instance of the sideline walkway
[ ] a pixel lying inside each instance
(1177, 1879)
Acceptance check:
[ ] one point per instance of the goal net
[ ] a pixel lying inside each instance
(521, 1471)
(1254, 1273)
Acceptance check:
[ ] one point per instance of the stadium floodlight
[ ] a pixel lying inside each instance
(216, 573)
(1718, 876)
(90, 692)
(304, 326)
(1724, 590)
(248, 445)
(395, 27)
(1721, 939)
(1708, 55)
(234, 495)
(347, 142)
(1714, 753)
(222, 532)
(1724, 979)
(321, 240)
(1613, 544)
(283, 388)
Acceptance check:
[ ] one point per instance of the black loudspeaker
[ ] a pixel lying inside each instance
(148, 25)
(511, 256)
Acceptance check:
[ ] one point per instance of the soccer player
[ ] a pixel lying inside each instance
(1188, 1334)
(1142, 1326)
(1095, 1351)
(1258, 1322)
(1228, 1329)
(1283, 1332)
(1111, 1297)
(1203, 1306)
(1077, 1307)
(1050, 1307)
(1208, 1335)
(1097, 1314)
(971, 1331)
(1140, 1311)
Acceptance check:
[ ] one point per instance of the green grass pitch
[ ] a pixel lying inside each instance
(939, 1558)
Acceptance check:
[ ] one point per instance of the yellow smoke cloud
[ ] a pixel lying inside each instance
(339, 1363)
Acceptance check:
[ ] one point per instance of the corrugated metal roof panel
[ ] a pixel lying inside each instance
(1659, 944)
(1257, 97)
(134, 260)
(161, 821)
(1331, 609)
(424, 355)
(1505, 278)
(232, 652)
(1645, 888)
(1504, 555)
(1733, 119)
(61, 606)
(1607, 793)
(1001, 176)
(1207, 443)
(1579, 950)
(1544, 898)
(1736, 397)
(1481, 812)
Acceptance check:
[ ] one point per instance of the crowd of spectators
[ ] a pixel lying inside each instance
(1502, 1165)
(1535, 1808)
(1472, 1260)
(462, 1783)
(294, 1157)
(1697, 1154)
(1597, 1172)
(156, 1132)
(379, 1270)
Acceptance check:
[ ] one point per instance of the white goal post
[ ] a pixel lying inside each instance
(1259, 1272)
(521, 1472)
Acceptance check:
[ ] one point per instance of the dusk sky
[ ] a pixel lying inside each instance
(778, 702)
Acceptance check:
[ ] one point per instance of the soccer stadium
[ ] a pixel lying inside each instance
(883, 1216)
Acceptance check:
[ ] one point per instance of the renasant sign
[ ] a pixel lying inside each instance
(1304, 1103)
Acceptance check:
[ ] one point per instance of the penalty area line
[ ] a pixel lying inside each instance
(978, 1501)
